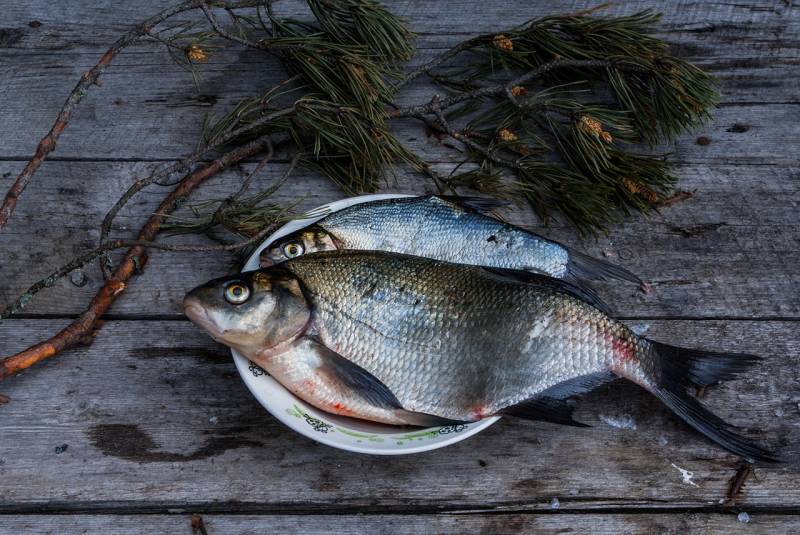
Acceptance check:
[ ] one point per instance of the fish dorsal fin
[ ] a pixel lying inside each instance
(582, 292)
(583, 266)
(552, 404)
(477, 204)
(359, 380)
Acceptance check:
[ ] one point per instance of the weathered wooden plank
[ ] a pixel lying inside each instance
(83, 23)
(732, 250)
(154, 417)
(148, 108)
(164, 424)
(516, 524)
(164, 120)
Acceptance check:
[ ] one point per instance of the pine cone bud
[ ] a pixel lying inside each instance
(195, 53)
(640, 189)
(506, 135)
(503, 43)
(590, 125)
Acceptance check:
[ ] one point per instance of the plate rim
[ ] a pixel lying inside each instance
(243, 363)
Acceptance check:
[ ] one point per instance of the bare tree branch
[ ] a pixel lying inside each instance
(81, 330)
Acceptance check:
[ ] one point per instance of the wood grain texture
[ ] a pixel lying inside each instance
(156, 421)
(731, 251)
(149, 109)
(501, 524)
(155, 417)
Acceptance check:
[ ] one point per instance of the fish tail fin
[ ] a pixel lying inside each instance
(701, 367)
(583, 266)
(675, 369)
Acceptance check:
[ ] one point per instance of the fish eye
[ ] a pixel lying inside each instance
(292, 249)
(237, 293)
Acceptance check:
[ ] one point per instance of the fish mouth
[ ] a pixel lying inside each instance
(198, 314)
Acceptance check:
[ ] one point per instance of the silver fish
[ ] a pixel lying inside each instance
(452, 229)
(407, 340)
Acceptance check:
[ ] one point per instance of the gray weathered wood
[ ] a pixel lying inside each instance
(155, 417)
(148, 108)
(512, 524)
(730, 251)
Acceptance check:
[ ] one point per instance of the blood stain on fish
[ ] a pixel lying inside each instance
(624, 350)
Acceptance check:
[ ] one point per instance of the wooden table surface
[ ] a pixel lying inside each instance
(151, 422)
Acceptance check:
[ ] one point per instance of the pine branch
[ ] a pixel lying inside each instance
(367, 23)
(505, 88)
(519, 93)
(243, 215)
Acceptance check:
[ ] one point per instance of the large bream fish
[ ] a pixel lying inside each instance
(453, 229)
(407, 340)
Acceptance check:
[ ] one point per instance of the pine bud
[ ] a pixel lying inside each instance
(195, 53)
(519, 91)
(640, 189)
(506, 135)
(590, 125)
(503, 43)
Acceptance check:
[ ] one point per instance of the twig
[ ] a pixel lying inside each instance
(435, 62)
(81, 330)
(504, 88)
(249, 178)
(198, 526)
(226, 34)
(465, 139)
(736, 483)
(679, 196)
(140, 184)
(48, 143)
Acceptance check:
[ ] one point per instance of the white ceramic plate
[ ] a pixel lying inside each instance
(339, 431)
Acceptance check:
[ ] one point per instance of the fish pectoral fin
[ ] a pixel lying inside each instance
(552, 404)
(545, 409)
(372, 390)
(353, 376)
(477, 204)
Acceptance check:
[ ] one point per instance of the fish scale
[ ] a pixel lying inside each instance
(452, 352)
(402, 339)
(435, 228)
(449, 229)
